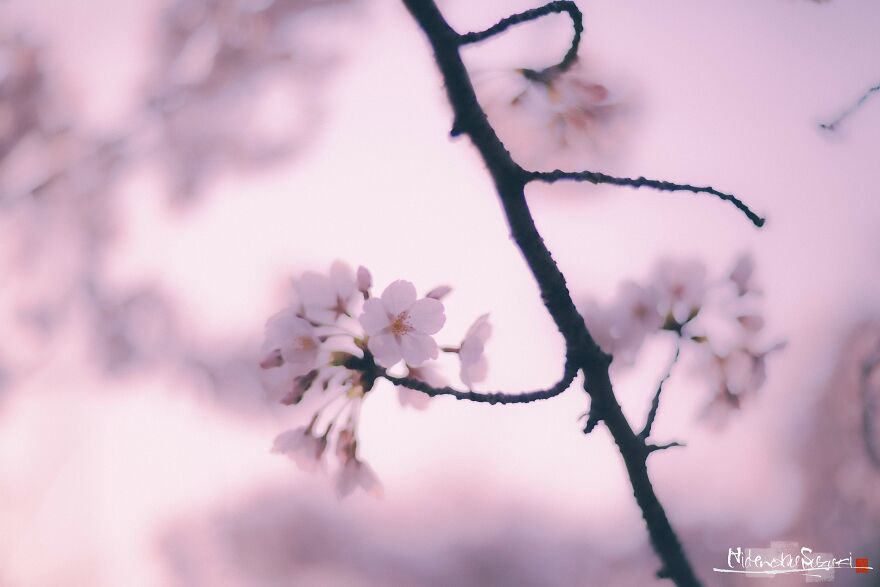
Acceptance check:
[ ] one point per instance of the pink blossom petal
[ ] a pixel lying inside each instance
(375, 318)
(471, 350)
(426, 316)
(476, 372)
(364, 279)
(399, 296)
(386, 349)
(418, 348)
(439, 292)
(481, 329)
(412, 398)
(342, 280)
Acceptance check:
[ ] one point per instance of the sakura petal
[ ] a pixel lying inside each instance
(481, 328)
(399, 296)
(418, 348)
(471, 350)
(439, 292)
(413, 398)
(290, 441)
(386, 349)
(341, 279)
(474, 372)
(426, 316)
(375, 318)
(364, 279)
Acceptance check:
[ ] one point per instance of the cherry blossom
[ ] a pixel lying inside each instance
(400, 326)
(301, 446)
(325, 349)
(741, 274)
(291, 339)
(635, 316)
(353, 472)
(364, 280)
(713, 316)
(439, 292)
(682, 286)
(474, 366)
(326, 298)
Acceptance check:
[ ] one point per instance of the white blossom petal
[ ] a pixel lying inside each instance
(412, 398)
(472, 373)
(426, 316)
(364, 279)
(399, 296)
(374, 318)
(342, 280)
(386, 349)
(418, 348)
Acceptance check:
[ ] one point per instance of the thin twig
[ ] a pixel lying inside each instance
(656, 447)
(851, 110)
(655, 403)
(558, 7)
(496, 397)
(601, 178)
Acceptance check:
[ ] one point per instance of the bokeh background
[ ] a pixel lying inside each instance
(167, 166)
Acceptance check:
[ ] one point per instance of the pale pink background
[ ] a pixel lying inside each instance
(723, 93)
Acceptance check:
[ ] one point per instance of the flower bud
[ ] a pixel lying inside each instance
(439, 292)
(364, 280)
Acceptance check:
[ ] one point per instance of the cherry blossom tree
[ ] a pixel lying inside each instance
(339, 339)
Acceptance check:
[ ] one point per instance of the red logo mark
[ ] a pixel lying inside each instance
(861, 565)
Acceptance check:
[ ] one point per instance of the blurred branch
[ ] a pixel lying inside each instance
(600, 178)
(510, 181)
(869, 409)
(655, 403)
(851, 110)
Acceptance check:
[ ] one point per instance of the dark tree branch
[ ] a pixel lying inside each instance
(601, 178)
(656, 447)
(655, 403)
(510, 180)
(496, 397)
(593, 420)
(558, 7)
(851, 110)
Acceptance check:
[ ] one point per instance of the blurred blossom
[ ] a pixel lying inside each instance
(542, 113)
(237, 83)
(234, 83)
(839, 455)
(279, 537)
(715, 320)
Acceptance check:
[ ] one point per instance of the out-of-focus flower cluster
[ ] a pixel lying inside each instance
(236, 82)
(543, 112)
(720, 319)
(330, 340)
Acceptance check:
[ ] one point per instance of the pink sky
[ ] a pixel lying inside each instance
(721, 93)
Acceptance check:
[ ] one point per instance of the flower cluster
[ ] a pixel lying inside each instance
(335, 339)
(719, 317)
(562, 108)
